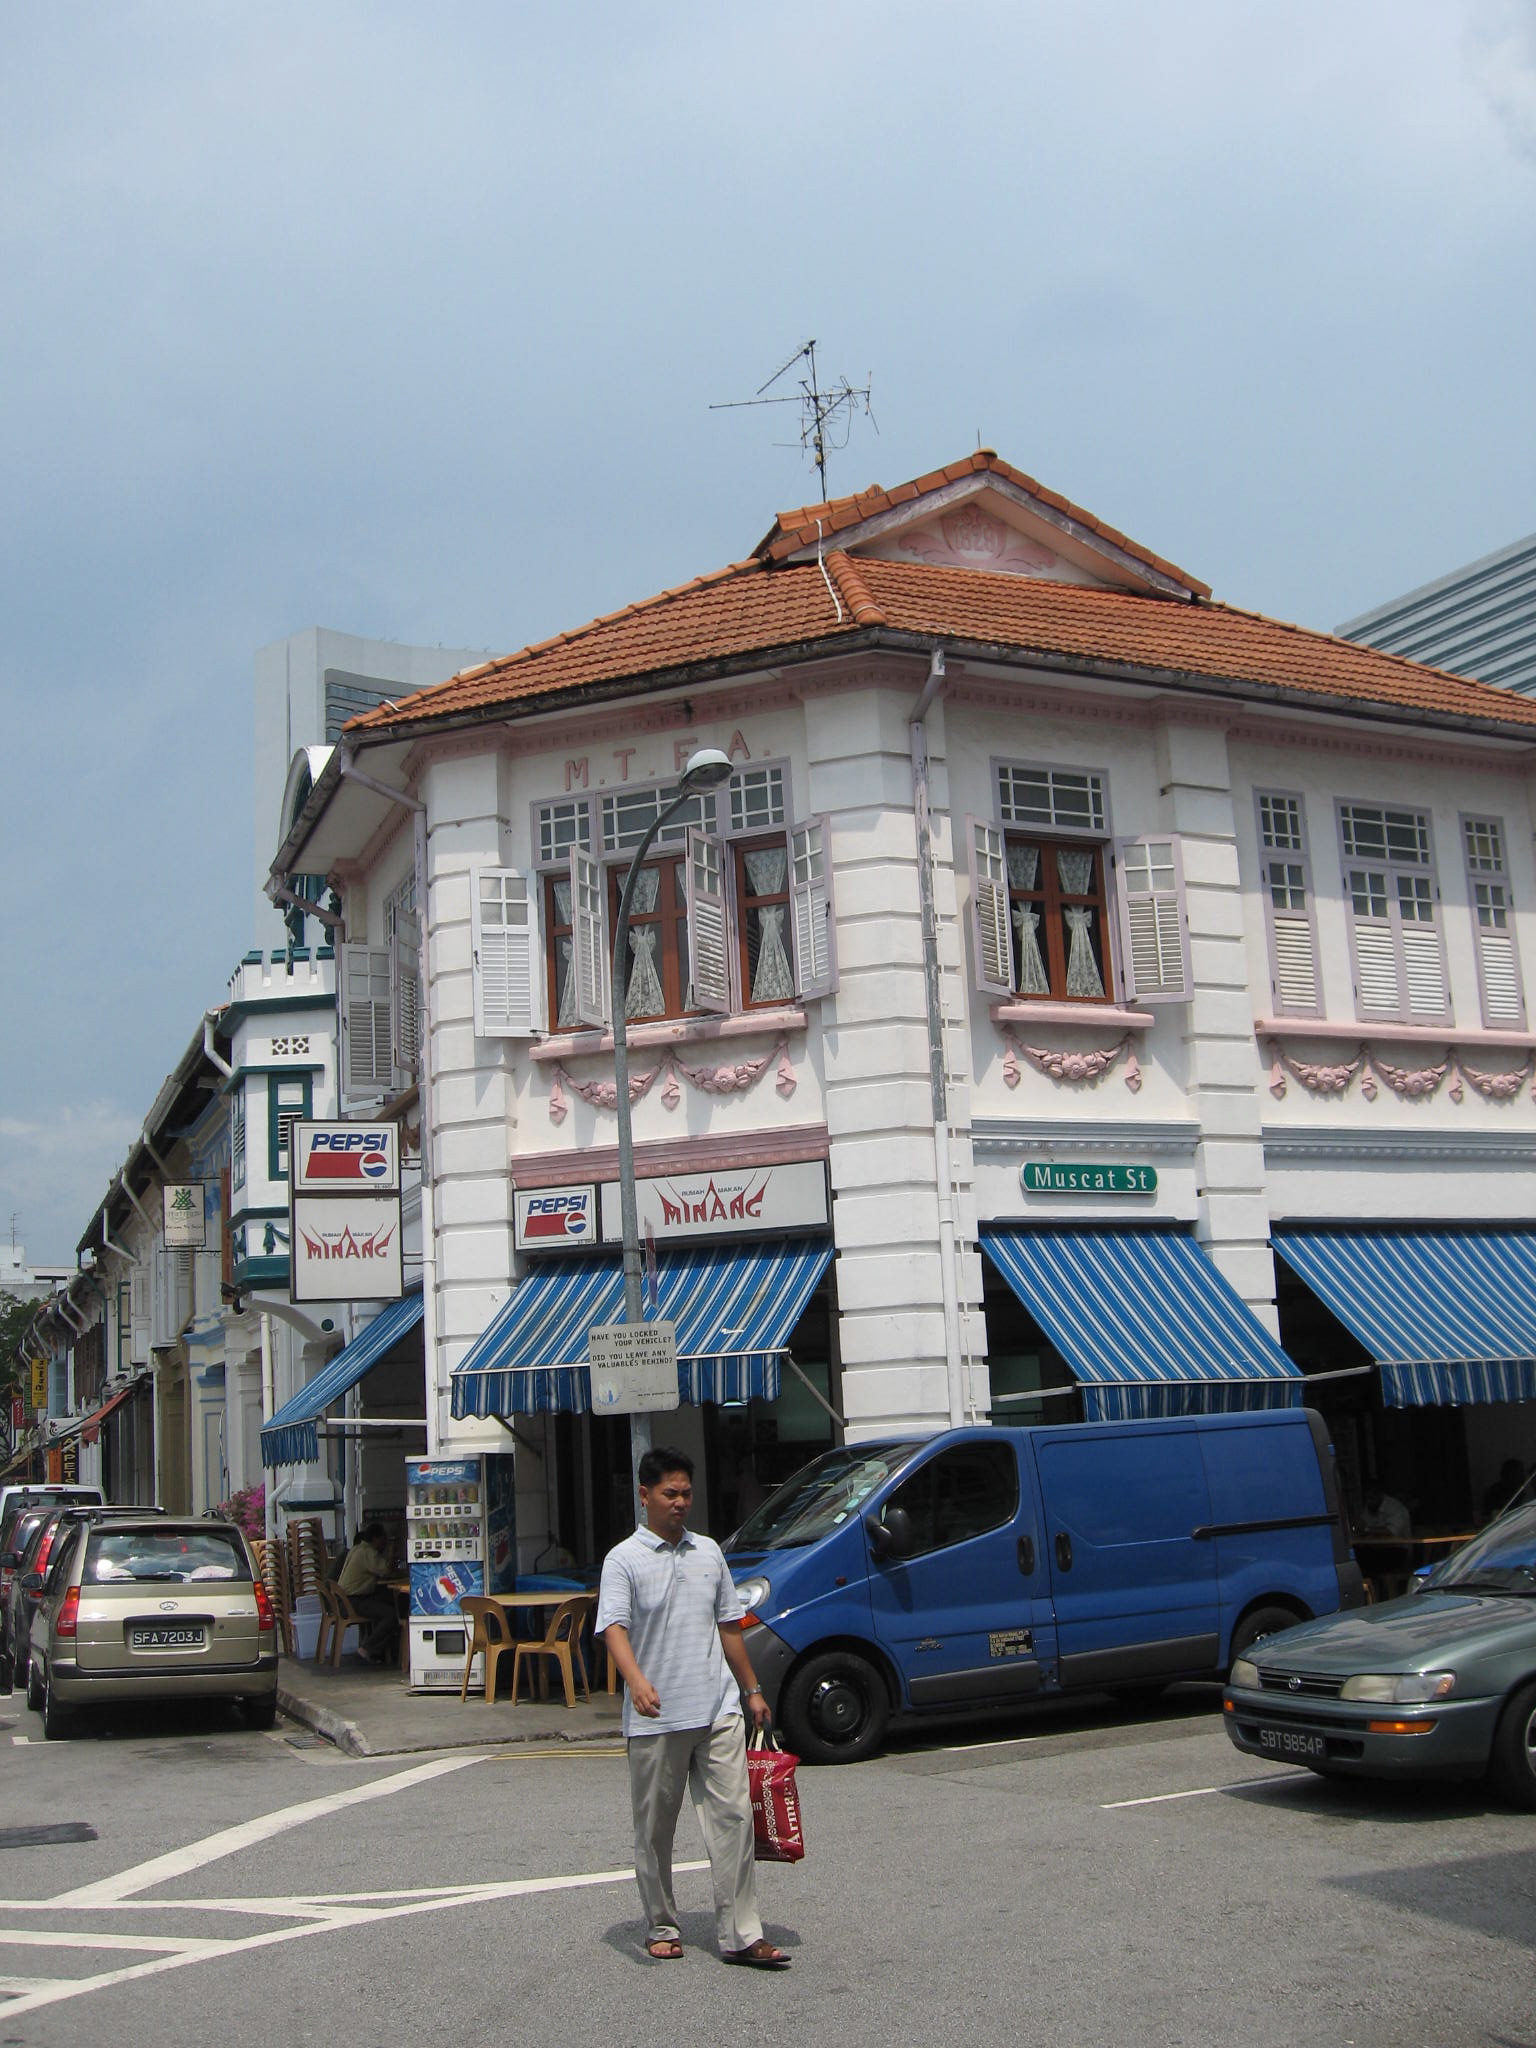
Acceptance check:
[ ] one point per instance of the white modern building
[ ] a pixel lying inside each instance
(1083, 997)
(1477, 621)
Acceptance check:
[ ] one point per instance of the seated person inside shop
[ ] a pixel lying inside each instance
(1383, 1516)
(360, 1579)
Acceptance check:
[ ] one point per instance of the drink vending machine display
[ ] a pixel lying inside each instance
(461, 1539)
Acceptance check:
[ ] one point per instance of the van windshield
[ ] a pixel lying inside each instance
(820, 1497)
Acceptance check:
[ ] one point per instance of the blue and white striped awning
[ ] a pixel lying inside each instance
(1145, 1321)
(1450, 1316)
(291, 1437)
(735, 1307)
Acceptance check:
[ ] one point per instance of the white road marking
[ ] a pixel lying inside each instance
(41, 1937)
(1198, 1792)
(22, 1984)
(140, 1877)
(54, 1992)
(21, 1741)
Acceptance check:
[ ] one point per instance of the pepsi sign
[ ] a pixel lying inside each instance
(556, 1219)
(345, 1159)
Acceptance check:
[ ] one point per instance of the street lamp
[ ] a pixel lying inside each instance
(706, 769)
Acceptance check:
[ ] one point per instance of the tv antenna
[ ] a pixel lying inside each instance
(826, 417)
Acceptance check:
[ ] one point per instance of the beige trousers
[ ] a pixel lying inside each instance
(712, 1764)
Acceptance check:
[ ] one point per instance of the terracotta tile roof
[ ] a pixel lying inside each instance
(792, 531)
(752, 610)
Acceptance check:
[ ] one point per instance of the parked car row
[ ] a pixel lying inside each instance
(114, 1605)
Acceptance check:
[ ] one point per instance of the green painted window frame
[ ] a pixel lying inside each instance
(277, 1107)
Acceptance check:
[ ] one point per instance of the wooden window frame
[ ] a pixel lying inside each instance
(1298, 856)
(1392, 869)
(1053, 902)
(1480, 874)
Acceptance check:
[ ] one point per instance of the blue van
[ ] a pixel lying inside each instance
(984, 1567)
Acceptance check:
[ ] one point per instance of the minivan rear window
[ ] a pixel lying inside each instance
(126, 1555)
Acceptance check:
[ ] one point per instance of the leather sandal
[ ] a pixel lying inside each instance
(664, 1948)
(762, 1955)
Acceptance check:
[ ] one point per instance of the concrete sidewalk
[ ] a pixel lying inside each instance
(368, 1712)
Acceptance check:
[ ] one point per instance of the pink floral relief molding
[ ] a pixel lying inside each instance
(734, 1079)
(1075, 1068)
(1413, 1084)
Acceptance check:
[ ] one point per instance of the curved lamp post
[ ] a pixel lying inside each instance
(706, 769)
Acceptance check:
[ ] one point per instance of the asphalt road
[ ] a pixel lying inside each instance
(1090, 1878)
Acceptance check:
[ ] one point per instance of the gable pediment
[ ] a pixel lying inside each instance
(974, 535)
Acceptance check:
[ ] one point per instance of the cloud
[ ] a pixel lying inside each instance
(1501, 57)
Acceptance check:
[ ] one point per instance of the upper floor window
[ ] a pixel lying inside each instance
(1493, 923)
(1288, 913)
(237, 1137)
(1044, 904)
(728, 916)
(1394, 904)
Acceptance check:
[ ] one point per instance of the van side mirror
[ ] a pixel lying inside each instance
(890, 1534)
(32, 1582)
(11, 1559)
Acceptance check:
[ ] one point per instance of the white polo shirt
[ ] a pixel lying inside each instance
(672, 1598)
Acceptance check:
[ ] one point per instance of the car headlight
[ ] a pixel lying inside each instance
(1399, 1688)
(753, 1593)
(1244, 1673)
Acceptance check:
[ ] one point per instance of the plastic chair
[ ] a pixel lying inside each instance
(337, 1615)
(491, 1632)
(563, 1643)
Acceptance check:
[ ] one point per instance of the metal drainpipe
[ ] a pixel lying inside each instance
(268, 1397)
(214, 1059)
(943, 1182)
(436, 1408)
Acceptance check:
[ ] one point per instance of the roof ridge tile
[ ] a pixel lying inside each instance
(856, 592)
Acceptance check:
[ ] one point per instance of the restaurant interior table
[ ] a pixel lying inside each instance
(1389, 1562)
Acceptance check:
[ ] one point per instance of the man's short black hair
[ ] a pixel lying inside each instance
(374, 1534)
(657, 1462)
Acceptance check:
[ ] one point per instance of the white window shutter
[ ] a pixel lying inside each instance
(1502, 1001)
(368, 1068)
(1376, 983)
(1295, 960)
(1154, 929)
(589, 937)
(405, 996)
(1424, 967)
(709, 952)
(505, 954)
(810, 908)
(989, 908)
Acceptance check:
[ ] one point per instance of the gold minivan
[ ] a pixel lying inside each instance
(150, 1608)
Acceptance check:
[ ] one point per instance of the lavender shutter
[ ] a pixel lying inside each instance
(709, 955)
(405, 998)
(1154, 928)
(503, 934)
(810, 905)
(589, 938)
(368, 1067)
(989, 908)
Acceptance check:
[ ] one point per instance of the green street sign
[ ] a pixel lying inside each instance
(1041, 1177)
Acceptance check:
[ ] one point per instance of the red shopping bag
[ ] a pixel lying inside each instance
(778, 1837)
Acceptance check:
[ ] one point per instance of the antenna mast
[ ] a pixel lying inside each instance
(826, 417)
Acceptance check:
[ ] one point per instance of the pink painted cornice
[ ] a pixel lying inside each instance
(1079, 1016)
(672, 1155)
(569, 1045)
(1352, 1032)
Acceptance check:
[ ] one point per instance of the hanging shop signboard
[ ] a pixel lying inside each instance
(184, 1222)
(1048, 1177)
(345, 1248)
(39, 1386)
(345, 1159)
(555, 1219)
(633, 1367)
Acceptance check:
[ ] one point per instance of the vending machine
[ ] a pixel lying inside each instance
(461, 1539)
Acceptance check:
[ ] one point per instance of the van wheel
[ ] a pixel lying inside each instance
(34, 1688)
(1513, 1763)
(262, 1711)
(835, 1708)
(7, 1672)
(58, 1721)
(1263, 1621)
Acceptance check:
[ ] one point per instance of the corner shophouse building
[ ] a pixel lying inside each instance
(1034, 856)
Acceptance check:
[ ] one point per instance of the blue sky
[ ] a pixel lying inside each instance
(406, 321)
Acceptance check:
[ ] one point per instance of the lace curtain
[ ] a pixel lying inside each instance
(1024, 873)
(1075, 870)
(768, 875)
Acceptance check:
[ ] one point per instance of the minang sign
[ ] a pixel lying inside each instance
(346, 1248)
(733, 1201)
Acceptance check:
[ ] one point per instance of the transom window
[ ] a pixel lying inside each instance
(1399, 837)
(1057, 919)
(1280, 824)
(1057, 799)
(757, 799)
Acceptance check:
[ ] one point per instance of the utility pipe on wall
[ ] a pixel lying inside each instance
(938, 1087)
(214, 1059)
(268, 1409)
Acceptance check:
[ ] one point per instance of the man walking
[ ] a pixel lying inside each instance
(670, 1618)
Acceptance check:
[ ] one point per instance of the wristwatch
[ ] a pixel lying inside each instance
(755, 1692)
